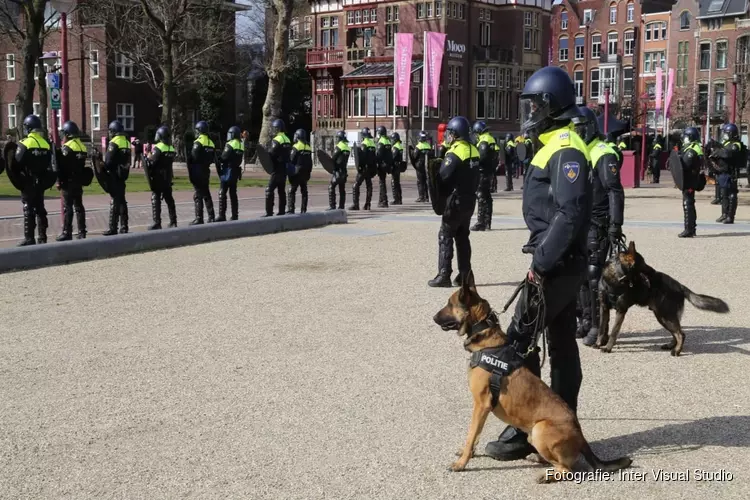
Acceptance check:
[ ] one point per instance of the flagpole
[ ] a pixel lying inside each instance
(665, 86)
(424, 73)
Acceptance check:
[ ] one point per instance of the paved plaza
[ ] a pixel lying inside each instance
(306, 365)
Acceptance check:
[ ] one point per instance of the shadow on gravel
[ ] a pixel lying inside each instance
(726, 431)
(698, 340)
(503, 283)
(723, 235)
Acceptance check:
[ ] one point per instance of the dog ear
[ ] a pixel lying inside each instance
(467, 287)
(468, 280)
(631, 248)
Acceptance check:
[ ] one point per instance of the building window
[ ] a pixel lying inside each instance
(491, 104)
(564, 20)
(629, 43)
(705, 55)
(12, 116)
(563, 50)
(420, 11)
(653, 60)
(349, 19)
(95, 116)
(481, 77)
(596, 46)
(329, 32)
(719, 101)
(480, 104)
(703, 98)
(391, 25)
(10, 67)
(631, 12)
(438, 8)
(455, 10)
(594, 83)
(714, 24)
(484, 34)
(588, 16)
(578, 82)
(508, 78)
(94, 63)
(527, 39)
(655, 31)
(608, 79)
(627, 82)
(123, 67)
(492, 77)
(428, 9)
(37, 109)
(682, 64)
(357, 102)
(125, 116)
(527, 19)
(685, 21)
(613, 14)
(461, 11)
(579, 44)
(612, 44)
(721, 55)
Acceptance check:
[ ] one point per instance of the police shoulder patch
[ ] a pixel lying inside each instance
(613, 168)
(447, 161)
(571, 170)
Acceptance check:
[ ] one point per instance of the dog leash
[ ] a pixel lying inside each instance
(541, 307)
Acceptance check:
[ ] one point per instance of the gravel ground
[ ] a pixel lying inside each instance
(306, 365)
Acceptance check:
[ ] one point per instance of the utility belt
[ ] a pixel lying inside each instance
(499, 362)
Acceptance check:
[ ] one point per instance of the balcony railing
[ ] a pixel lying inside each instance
(610, 58)
(493, 53)
(325, 56)
(329, 123)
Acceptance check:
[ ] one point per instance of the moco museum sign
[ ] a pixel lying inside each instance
(456, 50)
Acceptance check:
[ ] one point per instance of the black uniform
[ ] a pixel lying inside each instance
(730, 159)
(692, 162)
(117, 164)
(487, 147)
(399, 166)
(365, 172)
(338, 178)
(70, 172)
(202, 156)
(654, 163)
(231, 160)
(160, 176)
(384, 158)
(607, 216)
(301, 158)
(511, 160)
(421, 155)
(33, 158)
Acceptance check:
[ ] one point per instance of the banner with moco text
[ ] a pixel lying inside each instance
(670, 90)
(434, 48)
(402, 67)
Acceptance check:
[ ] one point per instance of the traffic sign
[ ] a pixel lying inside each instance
(54, 98)
(53, 80)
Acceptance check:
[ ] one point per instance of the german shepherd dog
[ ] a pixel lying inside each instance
(627, 280)
(524, 400)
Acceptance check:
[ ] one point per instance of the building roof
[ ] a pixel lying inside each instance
(378, 70)
(708, 9)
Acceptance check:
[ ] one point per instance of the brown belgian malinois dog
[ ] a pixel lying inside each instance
(524, 400)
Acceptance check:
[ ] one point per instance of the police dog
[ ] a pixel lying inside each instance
(627, 280)
(524, 400)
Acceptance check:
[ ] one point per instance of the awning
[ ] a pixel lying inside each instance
(375, 70)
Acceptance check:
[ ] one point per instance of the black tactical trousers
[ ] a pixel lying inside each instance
(73, 199)
(295, 183)
(493, 184)
(423, 193)
(34, 215)
(277, 183)
(383, 198)
(454, 227)
(362, 177)
(339, 184)
(396, 186)
(655, 172)
(484, 202)
(201, 196)
(156, 197)
(598, 250)
(729, 199)
(231, 188)
(688, 210)
(118, 208)
(509, 168)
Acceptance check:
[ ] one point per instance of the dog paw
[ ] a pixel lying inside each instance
(668, 347)
(537, 459)
(606, 348)
(674, 352)
(457, 466)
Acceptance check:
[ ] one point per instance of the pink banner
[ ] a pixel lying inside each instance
(659, 96)
(402, 67)
(433, 63)
(670, 90)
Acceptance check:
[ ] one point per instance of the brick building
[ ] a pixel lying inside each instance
(492, 48)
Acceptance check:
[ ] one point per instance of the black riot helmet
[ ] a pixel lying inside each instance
(508, 137)
(729, 132)
(395, 137)
(341, 136)
(163, 135)
(366, 132)
(201, 127)
(31, 123)
(278, 125)
(300, 135)
(70, 130)
(381, 131)
(233, 133)
(690, 134)
(479, 127)
(458, 128)
(586, 125)
(547, 97)
(116, 128)
(423, 136)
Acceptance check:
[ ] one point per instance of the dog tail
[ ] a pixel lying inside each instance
(605, 465)
(705, 302)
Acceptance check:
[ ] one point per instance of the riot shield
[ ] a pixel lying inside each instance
(264, 158)
(102, 176)
(87, 175)
(49, 178)
(413, 157)
(675, 166)
(355, 154)
(521, 152)
(326, 161)
(149, 171)
(15, 173)
(438, 197)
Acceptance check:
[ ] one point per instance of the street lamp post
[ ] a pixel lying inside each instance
(64, 7)
(52, 56)
(734, 98)
(644, 99)
(606, 110)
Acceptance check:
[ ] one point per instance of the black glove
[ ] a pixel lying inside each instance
(615, 235)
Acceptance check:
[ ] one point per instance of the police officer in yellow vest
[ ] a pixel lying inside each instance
(32, 166)
(340, 158)
(557, 209)
(70, 172)
(301, 158)
(729, 157)
(281, 148)
(384, 158)
(511, 161)
(202, 156)
(399, 166)
(117, 165)
(487, 147)
(607, 216)
(421, 154)
(158, 167)
(230, 171)
(459, 176)
(692, 162)
(654, 162)
(366, 170)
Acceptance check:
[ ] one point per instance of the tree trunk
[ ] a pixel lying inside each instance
(31, 51)
(168, 94)
(272, 105)
(42, 81)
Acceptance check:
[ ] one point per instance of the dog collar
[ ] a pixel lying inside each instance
(488, 322)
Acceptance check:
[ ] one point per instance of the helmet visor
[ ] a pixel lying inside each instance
(533, 109)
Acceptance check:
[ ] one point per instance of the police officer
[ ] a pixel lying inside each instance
(621, 145)
(338, 179)
(301, 158)
(607, 215)
(230, 164)
(117, 165)
(487, 147)
(70, 171)
(421, 156)
(399, 166)
(442, 149)
(384, 158)
(654, 158)
(730, 158)
(529, 153)
(33, 161)
(610, 141)
(365, 170)
(202, 156)
(557, 209)
(281, 148)
(692, 161)
(459, 175)
(159, 164)
(510, 161)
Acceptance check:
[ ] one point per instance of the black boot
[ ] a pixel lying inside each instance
(124, 217)
(717, 195)
(291, 200)
(41, 227)
(383, 195)
(282, 202)
(584, 325)
(269, 202)
(198, 202)
(445, 258)
(210, 209)
(481, 216)
(155, 211)
(442, 280)
(67, 229)
(29, 226)
(342, 196)
(512, 444)
(222, 207)
(331, 197)
(235, 206)
(368, 197)
(303, 195)
(732, 209)
(355, 198)
(172, 210)
(81, 222)
(114, 218)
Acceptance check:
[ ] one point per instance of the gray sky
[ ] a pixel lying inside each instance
(250, 21)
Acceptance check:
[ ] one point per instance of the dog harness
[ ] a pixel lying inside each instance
(500, 362)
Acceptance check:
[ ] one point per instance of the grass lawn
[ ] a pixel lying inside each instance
(137, 183)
